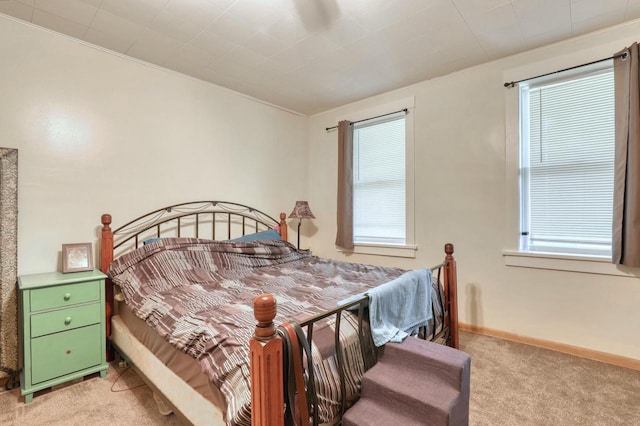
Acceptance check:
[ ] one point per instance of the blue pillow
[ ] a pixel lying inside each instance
(270, 234)
(150, 240)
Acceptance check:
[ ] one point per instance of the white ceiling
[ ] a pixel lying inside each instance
(312, 55)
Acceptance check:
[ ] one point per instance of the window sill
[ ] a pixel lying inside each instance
(383, 250)
(600, 265)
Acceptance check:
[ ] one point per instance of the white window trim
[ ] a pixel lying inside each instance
(406, 250)
(409, 248)
(600, 265)
(514, 255)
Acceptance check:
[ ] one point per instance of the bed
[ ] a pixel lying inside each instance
(233, 364)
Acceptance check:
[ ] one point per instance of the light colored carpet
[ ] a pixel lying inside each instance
(516, 384)
(511, 384)
(92, 401)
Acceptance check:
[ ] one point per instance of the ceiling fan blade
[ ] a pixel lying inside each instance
(317, 15)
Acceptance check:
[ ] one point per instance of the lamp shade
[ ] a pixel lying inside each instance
(302, 211)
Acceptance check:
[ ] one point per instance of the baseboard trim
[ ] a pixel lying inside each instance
(591, 354)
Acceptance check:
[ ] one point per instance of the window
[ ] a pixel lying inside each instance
(567, 137)
(379, 181)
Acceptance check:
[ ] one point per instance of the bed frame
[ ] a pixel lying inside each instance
(216, 219)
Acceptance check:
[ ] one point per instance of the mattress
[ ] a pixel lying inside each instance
(189, 388)
(184, 366)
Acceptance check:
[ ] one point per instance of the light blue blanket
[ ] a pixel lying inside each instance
(398, 308)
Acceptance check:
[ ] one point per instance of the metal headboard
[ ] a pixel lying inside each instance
(198, 219)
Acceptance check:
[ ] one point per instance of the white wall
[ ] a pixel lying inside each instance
(101, 133)
(465, 195)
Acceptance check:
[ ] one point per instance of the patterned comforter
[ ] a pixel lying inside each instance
(198, 295)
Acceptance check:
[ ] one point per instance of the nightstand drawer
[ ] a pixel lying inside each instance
(64, 295)
(65, 319)
(63, 353)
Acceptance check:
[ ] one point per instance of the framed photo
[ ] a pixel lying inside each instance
(77, 257)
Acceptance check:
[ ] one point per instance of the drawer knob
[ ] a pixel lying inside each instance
(68, 352)
(67, 321)
(67, 296)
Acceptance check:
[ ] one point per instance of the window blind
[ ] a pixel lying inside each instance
(379, 181)
(568, 164)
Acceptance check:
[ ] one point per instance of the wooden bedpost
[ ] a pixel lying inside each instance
(106, 257)
(283, 227)
(451, 281)
(267, 378)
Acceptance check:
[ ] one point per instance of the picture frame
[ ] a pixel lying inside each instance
(77, 257)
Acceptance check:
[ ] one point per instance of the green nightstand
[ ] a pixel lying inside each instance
(62, 328)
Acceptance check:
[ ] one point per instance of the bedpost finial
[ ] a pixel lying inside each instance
(106, 220)
(283, 216)
(264, 309)
(448, 249)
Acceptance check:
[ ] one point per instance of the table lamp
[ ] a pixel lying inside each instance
(301, 211)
